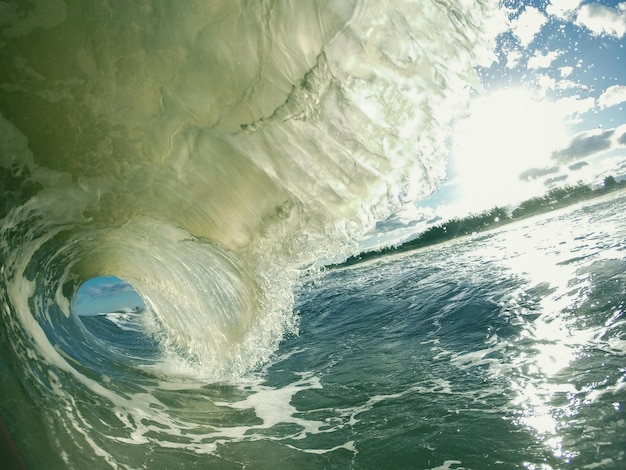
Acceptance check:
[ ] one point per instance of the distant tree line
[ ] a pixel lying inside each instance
(474, 223)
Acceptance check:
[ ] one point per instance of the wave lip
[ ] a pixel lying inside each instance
(205, 155)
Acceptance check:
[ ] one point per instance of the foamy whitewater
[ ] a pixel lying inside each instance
(216, 155)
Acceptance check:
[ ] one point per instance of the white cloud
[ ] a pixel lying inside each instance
(562, 8)
(546, 83)
(574, 105)
(613, 95)
(566, 71)
(585, 144)
(570, 108)
(512, 58)
(542, 61)
(602, 19)
(564, 85)
(108, 289)
(528, 24)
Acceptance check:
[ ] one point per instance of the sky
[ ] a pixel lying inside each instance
(106, 294)
(552, 112)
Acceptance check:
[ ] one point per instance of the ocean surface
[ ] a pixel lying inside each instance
(216, 156)
(505, 349)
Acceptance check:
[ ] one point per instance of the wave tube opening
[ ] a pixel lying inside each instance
(105, 294)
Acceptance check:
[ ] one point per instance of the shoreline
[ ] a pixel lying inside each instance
(419, 241)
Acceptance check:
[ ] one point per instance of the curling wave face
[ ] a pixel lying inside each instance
(199, 151)
(207, 153)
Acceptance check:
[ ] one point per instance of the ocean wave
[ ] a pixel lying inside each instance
(208, 153)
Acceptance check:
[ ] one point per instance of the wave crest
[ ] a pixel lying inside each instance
(207, 153)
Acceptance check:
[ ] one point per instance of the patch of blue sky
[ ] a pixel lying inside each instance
(107, 294)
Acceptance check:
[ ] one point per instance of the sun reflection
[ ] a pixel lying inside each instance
(542, 397)
(565, 311)
(552, 339)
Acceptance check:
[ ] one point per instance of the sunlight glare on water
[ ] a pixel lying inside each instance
(545, 253)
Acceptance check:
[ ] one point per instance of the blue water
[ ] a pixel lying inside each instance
(501, 350)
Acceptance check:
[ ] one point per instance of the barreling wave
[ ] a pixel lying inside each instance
(208, 153)
(204, 152)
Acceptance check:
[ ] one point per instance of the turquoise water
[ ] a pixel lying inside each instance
(216, 156)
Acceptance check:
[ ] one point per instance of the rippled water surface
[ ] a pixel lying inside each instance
(501, 350)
